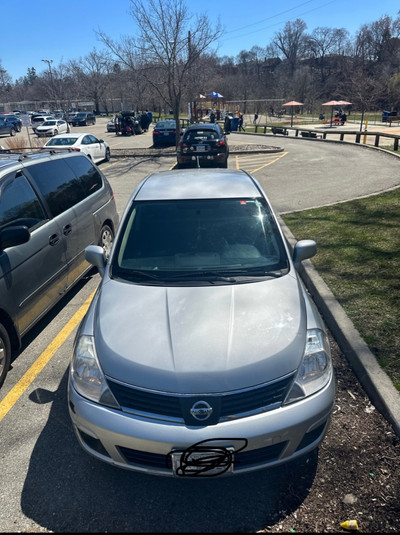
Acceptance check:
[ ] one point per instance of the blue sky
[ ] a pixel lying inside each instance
(33, 30)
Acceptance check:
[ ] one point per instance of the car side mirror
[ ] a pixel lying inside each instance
(302, 250)
(94, 254)
(14, 235)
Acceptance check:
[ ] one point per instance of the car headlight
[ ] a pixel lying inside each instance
(315, 370)
(87, 376)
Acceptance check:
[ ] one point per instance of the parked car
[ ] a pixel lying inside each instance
(203, 145)
(111, 124)
(13, 120)
(6, 129)
(98, 150)
(201, 352)
(52, 207)
(128, 124)
(52, 127)
(70, 116)
(164, 133)
(83, 118)
(37, 120)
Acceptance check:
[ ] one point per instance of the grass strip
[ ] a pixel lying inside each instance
(359, 259)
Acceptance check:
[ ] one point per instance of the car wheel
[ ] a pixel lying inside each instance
(108, 155)
(106, 239)
(5, 353)
(12, 132)
(224, 164)
(55, 132)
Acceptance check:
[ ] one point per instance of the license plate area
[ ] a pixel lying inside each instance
(205, 462)
(201, 148)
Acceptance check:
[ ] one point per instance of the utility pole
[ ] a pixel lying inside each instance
(49, 62)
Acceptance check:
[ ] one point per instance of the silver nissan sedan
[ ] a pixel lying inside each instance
(201, 353)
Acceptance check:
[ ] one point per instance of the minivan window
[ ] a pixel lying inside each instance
(58, 184)
(20, 205)
(88, 173)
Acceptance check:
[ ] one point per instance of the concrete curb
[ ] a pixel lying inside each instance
(376, 383)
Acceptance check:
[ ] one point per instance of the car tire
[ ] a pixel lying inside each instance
(55, 132)
(224, 165)
(106, 239)
(12, 132)
(108, 155)
(5, 353)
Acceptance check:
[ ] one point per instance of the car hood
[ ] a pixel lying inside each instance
(199, 339)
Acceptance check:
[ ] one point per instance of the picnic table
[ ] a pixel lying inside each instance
(336, 120)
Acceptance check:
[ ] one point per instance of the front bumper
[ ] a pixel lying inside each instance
(145, 444)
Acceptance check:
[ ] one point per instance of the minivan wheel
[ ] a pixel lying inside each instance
(106, 239)
(5, 354)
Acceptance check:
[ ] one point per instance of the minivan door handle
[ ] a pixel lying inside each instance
(54, 239)
(67, 230)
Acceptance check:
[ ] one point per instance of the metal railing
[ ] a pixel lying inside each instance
(355, 136)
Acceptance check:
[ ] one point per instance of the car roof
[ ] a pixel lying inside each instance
(71, 134)
(13, 161)
(198, 184)
(201, 126)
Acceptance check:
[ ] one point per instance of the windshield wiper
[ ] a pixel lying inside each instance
(195, 275)
(257, 272)
(136, 273)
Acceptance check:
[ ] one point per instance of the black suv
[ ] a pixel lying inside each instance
(203, 145)
(83, 118)
(6, 129)
(12, 120)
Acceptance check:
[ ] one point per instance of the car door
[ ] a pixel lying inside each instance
(33, 275)
(94, 147)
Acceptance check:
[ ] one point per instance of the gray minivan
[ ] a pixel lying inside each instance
(52, 206)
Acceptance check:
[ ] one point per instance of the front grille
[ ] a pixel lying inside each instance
(175, 406)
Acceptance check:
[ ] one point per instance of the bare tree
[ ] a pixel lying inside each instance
(167, 48)
(91, 74)
(291, 42)
(323, 42)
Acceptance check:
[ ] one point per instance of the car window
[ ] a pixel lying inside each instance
(64, 141)
(86, 140)
(20, 205)
(89, 175)
(58, 184)
(199, 234)
(93, 139)
(201, 135)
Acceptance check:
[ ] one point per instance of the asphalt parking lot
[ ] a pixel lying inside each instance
(49, 485)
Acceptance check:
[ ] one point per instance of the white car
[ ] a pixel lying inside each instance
(52, 127)
(97, 149)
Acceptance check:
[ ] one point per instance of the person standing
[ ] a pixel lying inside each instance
(255, 118)
(240, 123)
(227, 124)
(212, 117)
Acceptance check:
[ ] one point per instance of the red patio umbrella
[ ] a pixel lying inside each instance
(292, 103)
(334, 103)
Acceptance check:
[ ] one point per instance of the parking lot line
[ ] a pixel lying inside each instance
(16, 392)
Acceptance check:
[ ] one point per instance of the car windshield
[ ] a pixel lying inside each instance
(63, 141)
(165, 124)
(168, 240)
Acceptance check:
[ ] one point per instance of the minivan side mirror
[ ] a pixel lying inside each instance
(94, 254)
(302, 250)
(14, 235)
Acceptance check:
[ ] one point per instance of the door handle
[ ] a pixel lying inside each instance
(54, 239)
(67, 230)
